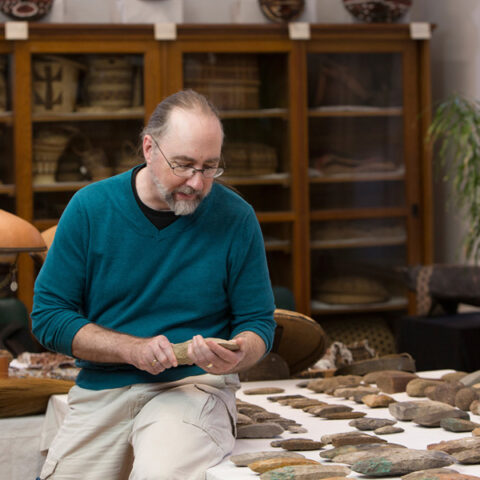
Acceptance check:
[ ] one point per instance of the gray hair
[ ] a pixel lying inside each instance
(188, 100)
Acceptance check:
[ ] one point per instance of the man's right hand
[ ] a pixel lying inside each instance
(99, 344)
(154, 355)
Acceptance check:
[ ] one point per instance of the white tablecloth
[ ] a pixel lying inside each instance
(20, 457)
(413, 437)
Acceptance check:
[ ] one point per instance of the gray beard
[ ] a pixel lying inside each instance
(179, 207)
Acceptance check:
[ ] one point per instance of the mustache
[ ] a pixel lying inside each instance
(187, 190)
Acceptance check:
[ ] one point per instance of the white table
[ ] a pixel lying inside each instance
(413, 437)
(20, 457)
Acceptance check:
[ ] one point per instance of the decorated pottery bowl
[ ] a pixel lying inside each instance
(282, 10)
(25, 9)
(377, 11)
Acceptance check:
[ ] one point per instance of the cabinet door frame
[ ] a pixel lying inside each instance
(69, 40)
(417, 211)
(261, 40)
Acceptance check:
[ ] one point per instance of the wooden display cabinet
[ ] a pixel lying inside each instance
(369, 172)
(323, 137)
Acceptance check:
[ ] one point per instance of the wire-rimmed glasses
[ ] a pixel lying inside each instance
(188, 171)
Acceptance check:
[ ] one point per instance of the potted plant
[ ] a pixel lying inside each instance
(455, 128)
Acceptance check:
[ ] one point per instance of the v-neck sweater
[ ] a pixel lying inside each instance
(206, 273)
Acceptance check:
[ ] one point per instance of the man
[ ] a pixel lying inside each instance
(154, 256)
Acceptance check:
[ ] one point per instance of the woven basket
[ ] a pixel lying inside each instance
(109, 82)
(97, 164)
(243, 159)
(263, 159)
(48, 146)
(230, 82)
(55, 82)
(236, 159)
(351, 290)
(127, 158)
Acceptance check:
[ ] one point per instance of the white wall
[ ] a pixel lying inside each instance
(455, 68)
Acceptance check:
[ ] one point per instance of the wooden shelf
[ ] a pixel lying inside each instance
(60, 186)
(394, 304)
(6, 118)
(87, 116)
(358, 213)
(278, 246)
(271, 179)
(7, 189)
(357, 243)
(261, 113)
(395, 176)
(355, 111)
(275, 217)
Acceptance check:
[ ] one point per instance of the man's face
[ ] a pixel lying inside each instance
(192, 139)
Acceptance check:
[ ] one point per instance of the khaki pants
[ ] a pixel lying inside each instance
(170, 431)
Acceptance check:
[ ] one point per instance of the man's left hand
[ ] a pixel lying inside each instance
(212, 357)
(218, 360)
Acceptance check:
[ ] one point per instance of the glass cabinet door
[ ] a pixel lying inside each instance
(251, 93)
(7, 164)
(87, 113)
(358, 234)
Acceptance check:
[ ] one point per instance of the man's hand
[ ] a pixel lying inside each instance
(154, 355)
(212, 357)
(218, 360)
(98, 344)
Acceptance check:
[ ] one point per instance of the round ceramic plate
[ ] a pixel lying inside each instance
(25, 9)
(282, 10)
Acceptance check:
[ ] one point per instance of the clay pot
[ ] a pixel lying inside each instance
(25, 9)
(377, 11)
(281, 11)
(18, 235)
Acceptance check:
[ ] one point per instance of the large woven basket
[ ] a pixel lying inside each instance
(249, 158)
(351, 290)
(109, 82)
(48, 146)
(55, 82)
(230, 82)
(127, 158)
(302, 340)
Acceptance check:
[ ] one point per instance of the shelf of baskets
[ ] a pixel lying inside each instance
(87, 111)
(357, 177)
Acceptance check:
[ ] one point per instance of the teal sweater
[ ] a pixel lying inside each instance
(206, 273)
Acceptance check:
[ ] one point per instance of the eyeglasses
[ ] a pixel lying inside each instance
(188, 172)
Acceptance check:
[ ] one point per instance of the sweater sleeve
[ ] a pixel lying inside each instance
(59, 288)
(249, 286)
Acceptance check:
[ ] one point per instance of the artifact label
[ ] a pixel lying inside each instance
(299, 30)
(420, 31)
(165, 31)
(16, 30)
